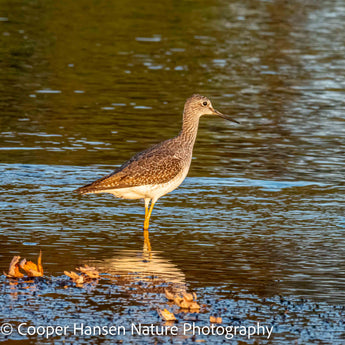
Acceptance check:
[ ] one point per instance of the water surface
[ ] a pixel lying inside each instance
(84, 86)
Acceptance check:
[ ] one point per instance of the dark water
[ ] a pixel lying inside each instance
(85, 85)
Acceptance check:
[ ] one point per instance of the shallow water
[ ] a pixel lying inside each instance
(261, 214)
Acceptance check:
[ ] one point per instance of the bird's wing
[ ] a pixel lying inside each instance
(154, 166)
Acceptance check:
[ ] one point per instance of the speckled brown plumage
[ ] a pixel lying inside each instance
(158, 164)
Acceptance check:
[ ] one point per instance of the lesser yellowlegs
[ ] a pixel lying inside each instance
(160, 169)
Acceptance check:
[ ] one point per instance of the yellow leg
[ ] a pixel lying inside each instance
(147, 201)
(147, 244)
(148, 215)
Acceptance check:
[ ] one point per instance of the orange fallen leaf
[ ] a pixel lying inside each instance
(182, 303)
(169, 295)
(215, 319)
(74, 276)
(87, 275)
(13, 271)
(178, 300)
(194, 306)
(166, 315)
(91, 272)
(31, 269)
(187, 302)
(188, 296)
(78, 279)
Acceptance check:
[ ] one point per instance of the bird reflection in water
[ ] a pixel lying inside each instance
(128, 267)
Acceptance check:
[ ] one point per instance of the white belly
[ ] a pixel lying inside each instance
(149, 191)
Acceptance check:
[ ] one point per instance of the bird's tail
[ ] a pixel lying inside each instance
(85, 190)
(94, 187)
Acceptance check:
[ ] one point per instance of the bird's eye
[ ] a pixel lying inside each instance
(204, 104)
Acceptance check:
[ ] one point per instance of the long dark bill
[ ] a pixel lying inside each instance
(226, 117)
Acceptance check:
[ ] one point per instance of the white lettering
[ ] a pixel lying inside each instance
(20, 331)
(269, 332)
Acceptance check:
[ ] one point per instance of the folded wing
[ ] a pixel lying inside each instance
(154, 166)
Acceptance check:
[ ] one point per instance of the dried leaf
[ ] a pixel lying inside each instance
(187, 302)
(178, 300)
(170, 296)
(78, 279)
(215, 319)
(87, 274)
(31, 269)
(194, 306)
(72, 275)
(91, 272)
(39, 263)
(188, 296)
(184, 304)
(167, 315)
(13, 271)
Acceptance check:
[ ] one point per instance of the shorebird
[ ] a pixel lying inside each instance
(152, 173)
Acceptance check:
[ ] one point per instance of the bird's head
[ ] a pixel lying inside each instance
(200, 105)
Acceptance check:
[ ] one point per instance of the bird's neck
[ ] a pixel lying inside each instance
(189, 128)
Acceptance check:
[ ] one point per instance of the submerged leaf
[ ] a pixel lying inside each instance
(215, 319)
